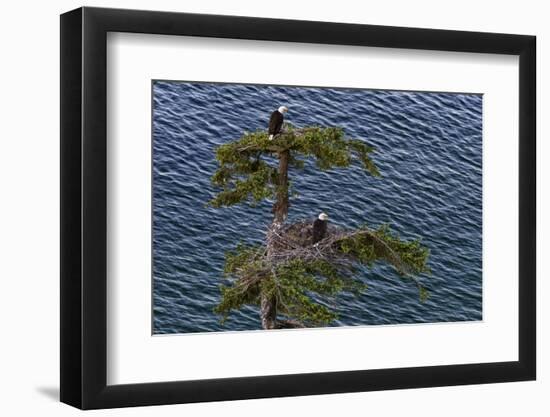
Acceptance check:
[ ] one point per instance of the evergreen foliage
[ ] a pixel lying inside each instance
(301, 279)
(244, 177)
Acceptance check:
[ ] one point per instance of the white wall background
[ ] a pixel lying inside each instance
(29, 225)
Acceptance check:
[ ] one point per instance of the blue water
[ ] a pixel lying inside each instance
(429, 152)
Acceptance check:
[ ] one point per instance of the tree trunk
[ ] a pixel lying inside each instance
(280, 208)
(268, 305)
(268, 313)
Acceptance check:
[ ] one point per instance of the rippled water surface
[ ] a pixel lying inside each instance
(429, 152)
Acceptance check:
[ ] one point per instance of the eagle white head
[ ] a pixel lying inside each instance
(282, 109)
(323, 216)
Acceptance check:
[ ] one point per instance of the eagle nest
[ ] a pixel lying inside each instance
(295, 241)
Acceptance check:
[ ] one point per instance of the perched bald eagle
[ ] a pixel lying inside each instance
(276, 121)
(320, 228)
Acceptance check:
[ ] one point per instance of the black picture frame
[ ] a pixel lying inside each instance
(84, 207)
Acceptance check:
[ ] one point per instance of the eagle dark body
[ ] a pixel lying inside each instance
(276, 122)
(300, 234)
(319, 230)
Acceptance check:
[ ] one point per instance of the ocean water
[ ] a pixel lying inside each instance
(428, 150)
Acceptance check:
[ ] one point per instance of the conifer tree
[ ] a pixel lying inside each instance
(288, 277)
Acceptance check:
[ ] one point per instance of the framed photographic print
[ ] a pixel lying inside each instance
(257, 208)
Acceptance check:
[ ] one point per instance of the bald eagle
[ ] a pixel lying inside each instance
(320, 227)
(276, 121)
